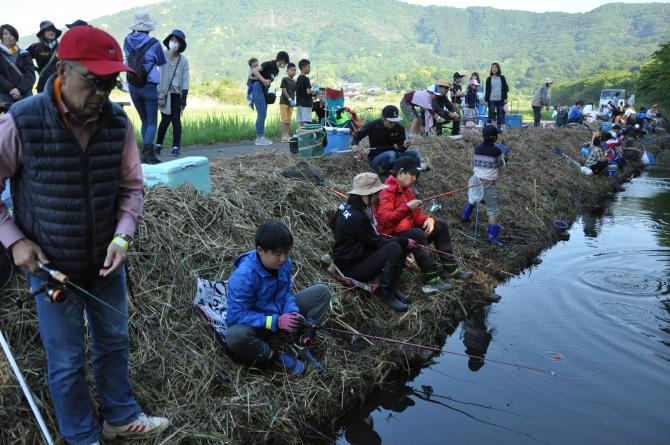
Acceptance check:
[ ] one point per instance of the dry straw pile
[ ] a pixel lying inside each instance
(180, 370)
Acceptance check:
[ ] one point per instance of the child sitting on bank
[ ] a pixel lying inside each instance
(304, 93)
(596, 160)
(399, 215)
(253, 63)
(260, 303)
(488, 159)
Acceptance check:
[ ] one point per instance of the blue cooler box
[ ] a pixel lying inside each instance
(192, 169)
(513, 120)
(338, 140)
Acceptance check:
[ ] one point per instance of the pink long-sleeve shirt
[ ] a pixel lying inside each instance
(131, 183)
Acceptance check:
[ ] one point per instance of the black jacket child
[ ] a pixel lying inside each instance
(356, 235)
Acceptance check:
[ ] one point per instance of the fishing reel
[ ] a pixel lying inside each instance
(307, 333)
(52, 292)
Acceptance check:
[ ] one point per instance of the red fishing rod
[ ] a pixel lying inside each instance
(452, 255)
(453, 192)
(435, 349)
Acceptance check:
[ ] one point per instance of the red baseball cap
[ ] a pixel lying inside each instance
(95, 49)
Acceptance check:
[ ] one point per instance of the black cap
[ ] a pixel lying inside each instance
(282, 55)
(391, 113)
(459, 75)
(76, 23)
(489, 131)
(406, 164)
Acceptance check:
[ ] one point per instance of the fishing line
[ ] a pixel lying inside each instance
(435, 349)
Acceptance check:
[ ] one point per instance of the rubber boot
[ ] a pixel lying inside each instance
(159, 147)
(432, 283)
(149, 154)
(467, 212)
(451, 270)
(493, 233)
(305, 354)
(388, 293)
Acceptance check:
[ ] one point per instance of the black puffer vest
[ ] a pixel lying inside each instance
(65, 199)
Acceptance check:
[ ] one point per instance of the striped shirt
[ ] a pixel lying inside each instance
(488, 158)
(176, 84)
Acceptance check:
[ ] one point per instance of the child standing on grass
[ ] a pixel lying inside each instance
(487, 162)
(470, 112)
(304, 93)
(253, 63)
(260, 303)
(287, 102)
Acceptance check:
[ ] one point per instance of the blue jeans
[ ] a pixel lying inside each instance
(64, 338)
(386, 158)
(145, 100)
(497, 107)
(6, 98)
(258, 98)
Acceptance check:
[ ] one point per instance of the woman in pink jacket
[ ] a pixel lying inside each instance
(423, 100)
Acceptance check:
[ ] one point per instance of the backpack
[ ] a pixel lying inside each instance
(136, 62)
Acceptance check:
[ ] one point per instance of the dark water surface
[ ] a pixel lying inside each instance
(601, 300)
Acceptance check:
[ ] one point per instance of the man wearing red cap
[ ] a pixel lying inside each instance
(77, 188)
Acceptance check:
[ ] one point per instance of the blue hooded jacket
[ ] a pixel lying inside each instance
(153, 58)
(255, 296)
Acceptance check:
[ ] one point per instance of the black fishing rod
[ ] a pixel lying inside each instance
(314, 327)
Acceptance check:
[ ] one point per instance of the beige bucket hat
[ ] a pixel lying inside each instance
(366, 184)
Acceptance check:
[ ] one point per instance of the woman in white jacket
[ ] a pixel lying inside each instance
(172, 90)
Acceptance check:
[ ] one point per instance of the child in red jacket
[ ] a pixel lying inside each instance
(399, 215)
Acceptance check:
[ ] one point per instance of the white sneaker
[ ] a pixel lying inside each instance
(263, 141)
(435, 287)
(143, 426)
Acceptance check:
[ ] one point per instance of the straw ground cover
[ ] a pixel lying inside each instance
(178, 367)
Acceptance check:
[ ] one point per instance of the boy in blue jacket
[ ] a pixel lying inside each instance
(260, 302)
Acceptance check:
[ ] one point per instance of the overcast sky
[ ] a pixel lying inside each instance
(26, 15)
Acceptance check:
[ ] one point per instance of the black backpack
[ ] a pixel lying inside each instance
(136, 62)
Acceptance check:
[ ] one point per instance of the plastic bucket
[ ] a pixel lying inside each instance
(612, 169)
(562, 226)
(311, 142)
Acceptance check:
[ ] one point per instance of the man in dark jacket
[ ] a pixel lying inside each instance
(17, 72)
(45, 52)
(77, 191)
(387, 140)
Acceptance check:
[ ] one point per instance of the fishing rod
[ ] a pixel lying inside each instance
(430, 348)
(453, 192)
(26, 390)
(452, 255)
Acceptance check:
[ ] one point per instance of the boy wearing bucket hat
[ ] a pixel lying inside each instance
(445, 108)
(17, 72)
(45, 53)
(77, 190)
(173, 90)
(144, 55)
(387, 140)
(488, 158)
(399, 216)
(360, 252)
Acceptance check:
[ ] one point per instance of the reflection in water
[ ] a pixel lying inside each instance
(476, 337)
(596, 307)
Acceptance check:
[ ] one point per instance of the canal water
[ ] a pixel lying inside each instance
(596, 311)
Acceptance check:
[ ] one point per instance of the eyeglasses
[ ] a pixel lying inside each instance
(104, 84)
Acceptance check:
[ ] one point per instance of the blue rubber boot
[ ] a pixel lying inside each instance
(493, 232)
(292, 365)
(305, 354)
(467, 212)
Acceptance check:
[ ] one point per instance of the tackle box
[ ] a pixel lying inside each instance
(191, 169)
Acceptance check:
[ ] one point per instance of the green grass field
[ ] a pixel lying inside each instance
(208, 121)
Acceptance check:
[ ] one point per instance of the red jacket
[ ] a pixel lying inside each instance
(392, 214)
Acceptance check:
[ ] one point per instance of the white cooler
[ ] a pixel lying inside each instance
(192, 169)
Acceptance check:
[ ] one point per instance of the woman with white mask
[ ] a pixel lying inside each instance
(172, 90)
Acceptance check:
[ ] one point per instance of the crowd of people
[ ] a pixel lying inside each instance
(77, 189)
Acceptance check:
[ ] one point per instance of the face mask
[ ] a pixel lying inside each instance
(174, 46)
